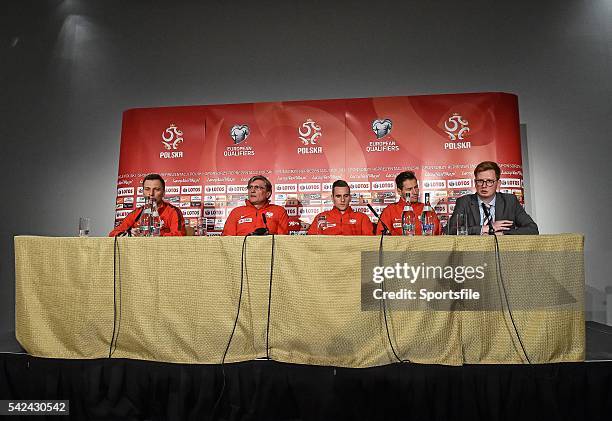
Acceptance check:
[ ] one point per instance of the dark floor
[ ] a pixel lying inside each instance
(8, 343)
(598, 342)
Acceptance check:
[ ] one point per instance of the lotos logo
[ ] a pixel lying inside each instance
(460, 183)
(214, 189)
(191, 213)
(434, 184)
(511, 182)
(383, 185)
(381, 128)
(456, 127)
(309, 211)
(357, 185)
(172, 137)
(286, 188)
(239, 133)
(309, 132)
(214, 212)
(170, 190)
(233, 189)
(191, 190)
(309, 187)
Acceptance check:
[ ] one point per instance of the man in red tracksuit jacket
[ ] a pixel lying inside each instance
(406, 183)
(173, 223)
(341, 219)
(257, 212)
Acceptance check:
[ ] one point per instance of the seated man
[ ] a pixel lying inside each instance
(172, 221)
(257, 212)
(341, 219)
(406, 183)
(507, 214)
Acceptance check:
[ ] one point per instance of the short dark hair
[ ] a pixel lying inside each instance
(403, 176)
(262, 178)
(486, 166)
(154, 177)
(340, 183)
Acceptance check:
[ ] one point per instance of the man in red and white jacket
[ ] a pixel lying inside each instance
(341, 219)
(173, 223)
(257, 212)
(406, 184)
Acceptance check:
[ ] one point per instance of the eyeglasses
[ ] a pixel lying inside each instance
(488, 183)
(254, 187)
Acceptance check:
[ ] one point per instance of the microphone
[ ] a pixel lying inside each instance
(385, 228)
(262, 231)
(265, 221)
(485, 208)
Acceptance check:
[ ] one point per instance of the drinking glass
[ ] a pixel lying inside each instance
(462, 226)
(84, 226)
(202, 226)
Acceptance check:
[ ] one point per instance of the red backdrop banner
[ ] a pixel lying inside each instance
(206, 154)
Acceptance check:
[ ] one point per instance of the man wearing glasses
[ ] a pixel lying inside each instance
(258, 215)
(406, 184)
(503, 211)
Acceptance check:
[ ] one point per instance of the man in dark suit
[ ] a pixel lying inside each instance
(489, 211)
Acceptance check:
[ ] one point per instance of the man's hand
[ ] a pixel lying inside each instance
(136, 232)
(501, 226)
(498, 226)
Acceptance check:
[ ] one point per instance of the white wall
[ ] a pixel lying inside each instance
(71, 67)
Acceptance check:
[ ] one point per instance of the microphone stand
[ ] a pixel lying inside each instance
(385, 230)
(262, 231)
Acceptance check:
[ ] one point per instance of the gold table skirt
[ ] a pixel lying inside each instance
(175, 300)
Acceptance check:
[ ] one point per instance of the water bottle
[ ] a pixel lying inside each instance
(202, 226)
(408, 218)
(427, 218)
(146, 218)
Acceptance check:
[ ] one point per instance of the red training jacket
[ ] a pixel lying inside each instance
(349, 223)
(243, 220)
(171, 216)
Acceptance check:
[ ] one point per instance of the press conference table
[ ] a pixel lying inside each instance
(175, 299)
